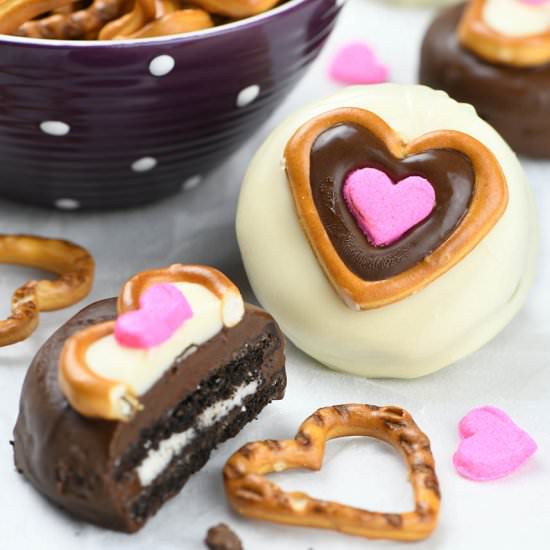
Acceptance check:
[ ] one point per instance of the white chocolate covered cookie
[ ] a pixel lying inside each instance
(453, 273)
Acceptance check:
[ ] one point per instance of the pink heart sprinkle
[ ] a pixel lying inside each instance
(492, 445)
(386, 211)
(163, 310)
(356, 63)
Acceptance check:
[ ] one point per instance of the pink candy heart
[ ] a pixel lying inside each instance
(386, 211)
(356, 63)
(163, 310)
(492, 445)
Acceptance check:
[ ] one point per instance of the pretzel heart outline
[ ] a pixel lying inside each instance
(385, 210)
(488, 203)
(163, 310)
(492, 445)
(476, 34)
(96, 396)
(254, 496)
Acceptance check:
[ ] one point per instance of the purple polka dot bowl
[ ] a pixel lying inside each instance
(98, 125)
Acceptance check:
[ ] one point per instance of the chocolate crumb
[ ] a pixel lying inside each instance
(221, 537)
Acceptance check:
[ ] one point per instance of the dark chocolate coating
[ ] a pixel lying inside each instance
(344, 148)
(515, 101)
(76, 461)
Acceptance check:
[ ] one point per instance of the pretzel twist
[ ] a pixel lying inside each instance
(119, 19)
(13, 13)
(74, 265)
(252, 495)
(142, 13)
(236, 8)
(175, 21)
(84, 23)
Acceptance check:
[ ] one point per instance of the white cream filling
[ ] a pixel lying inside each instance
(157, 460)
(514, 18)
(142, 368)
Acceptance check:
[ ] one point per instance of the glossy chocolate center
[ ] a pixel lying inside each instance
(344, 148)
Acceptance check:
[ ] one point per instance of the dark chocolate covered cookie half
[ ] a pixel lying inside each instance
(129, 398)
(485, 53)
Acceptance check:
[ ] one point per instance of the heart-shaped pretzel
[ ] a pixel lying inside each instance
(252, 495)
(74, 265)
(478, 36)
(96, 396)
(488, 202)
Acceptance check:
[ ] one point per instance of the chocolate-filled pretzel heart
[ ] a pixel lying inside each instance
(470, 189)
(477, 35)
(252, 495)
(74, 265)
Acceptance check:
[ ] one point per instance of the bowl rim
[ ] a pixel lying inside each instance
(288, 6)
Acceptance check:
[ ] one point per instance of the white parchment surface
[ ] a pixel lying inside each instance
(512, 372)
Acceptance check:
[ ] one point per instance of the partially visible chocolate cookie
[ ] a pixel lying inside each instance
(183, 396)
(514, 100)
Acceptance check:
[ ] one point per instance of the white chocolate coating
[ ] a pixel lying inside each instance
(141, 368)
(448, 319)
(514, 18)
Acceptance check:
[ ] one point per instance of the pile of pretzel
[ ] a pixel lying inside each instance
(120, 19)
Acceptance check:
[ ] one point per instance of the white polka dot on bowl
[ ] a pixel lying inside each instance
(67, 204)
(144, 164)
(162, 65)
(55, 127)
(248, 95)
(192, 182)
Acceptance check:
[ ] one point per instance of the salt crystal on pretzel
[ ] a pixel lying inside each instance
(252, 495)
(74, 265)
